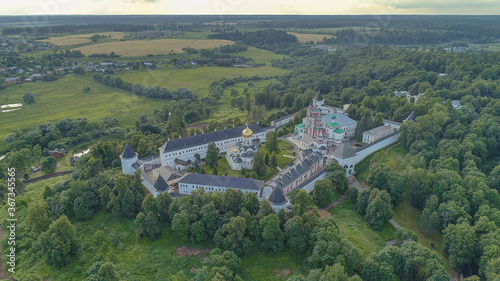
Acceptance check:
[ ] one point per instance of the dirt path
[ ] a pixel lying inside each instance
(3, 274)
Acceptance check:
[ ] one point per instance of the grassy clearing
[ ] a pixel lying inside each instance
(260, 55)
(357, 231)
(108, 238)
(65, 98)
(222, 166)
(409, 217)
(304, 37)
(75, 39)
(284, 149)
(196, 79)
(390, 159)
(146, 47)
(226, 111)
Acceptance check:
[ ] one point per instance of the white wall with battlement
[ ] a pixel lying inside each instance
(374, 146)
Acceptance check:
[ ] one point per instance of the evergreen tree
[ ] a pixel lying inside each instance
(259, 167)
(212, 155)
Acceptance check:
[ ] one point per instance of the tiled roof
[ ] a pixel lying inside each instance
(277, 196)
(343, 151)
(380, 131)
(207, 138)
(161, 184)
(298, 170)
(128, 152)
(222, 181)
(318, 96)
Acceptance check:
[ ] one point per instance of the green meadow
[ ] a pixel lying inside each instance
(65, 98)
(106, 237)
(196, 79)
(357, 231)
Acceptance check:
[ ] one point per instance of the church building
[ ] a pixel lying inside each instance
(241, 156)
(326, 125)
(180, 152)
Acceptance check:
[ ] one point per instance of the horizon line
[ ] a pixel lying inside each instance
(203, 14)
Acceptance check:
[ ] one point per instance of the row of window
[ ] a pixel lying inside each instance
(208, 188)
(202, 147)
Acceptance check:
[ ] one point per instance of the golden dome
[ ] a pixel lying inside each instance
(247, 133)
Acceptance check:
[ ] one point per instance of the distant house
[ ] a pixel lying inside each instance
(11, 80)
(401, 93)
(106, 64)
(56, 153)
(377, 133)
(72, 161)
(456, 104)
(238, 61)
(120, 64)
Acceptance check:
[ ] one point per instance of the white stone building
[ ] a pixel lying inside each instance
(195, 147)
(211, 183)
(377, 133)
(241, 156)
(299, 173)
(327, 125)
(128, 159)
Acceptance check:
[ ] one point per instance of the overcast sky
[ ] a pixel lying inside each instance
(300, 7)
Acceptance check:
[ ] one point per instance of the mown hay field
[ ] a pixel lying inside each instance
(75, 39)
(154, 47)
(303, 37)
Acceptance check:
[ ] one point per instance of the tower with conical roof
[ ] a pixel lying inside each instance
(278, 199)
(128, 158)
(318, 99)
(345, 156)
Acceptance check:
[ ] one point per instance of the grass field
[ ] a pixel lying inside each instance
(284, 149)
(357, 231)
(146, 47)
(260, 55)
(75, 39)
(409, 217)
(113, 239)
(65, 98)
(196, 79)
(397, 151)
(304, 37)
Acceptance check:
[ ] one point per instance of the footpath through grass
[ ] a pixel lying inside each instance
(357, 231)
(409, 217)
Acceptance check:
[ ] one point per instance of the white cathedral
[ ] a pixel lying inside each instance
(241, 156)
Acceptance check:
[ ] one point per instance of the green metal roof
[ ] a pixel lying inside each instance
(333, 124)
(333, 116)
(301, 125)
(338, 131)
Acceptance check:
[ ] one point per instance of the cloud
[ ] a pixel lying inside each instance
(439, 4)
